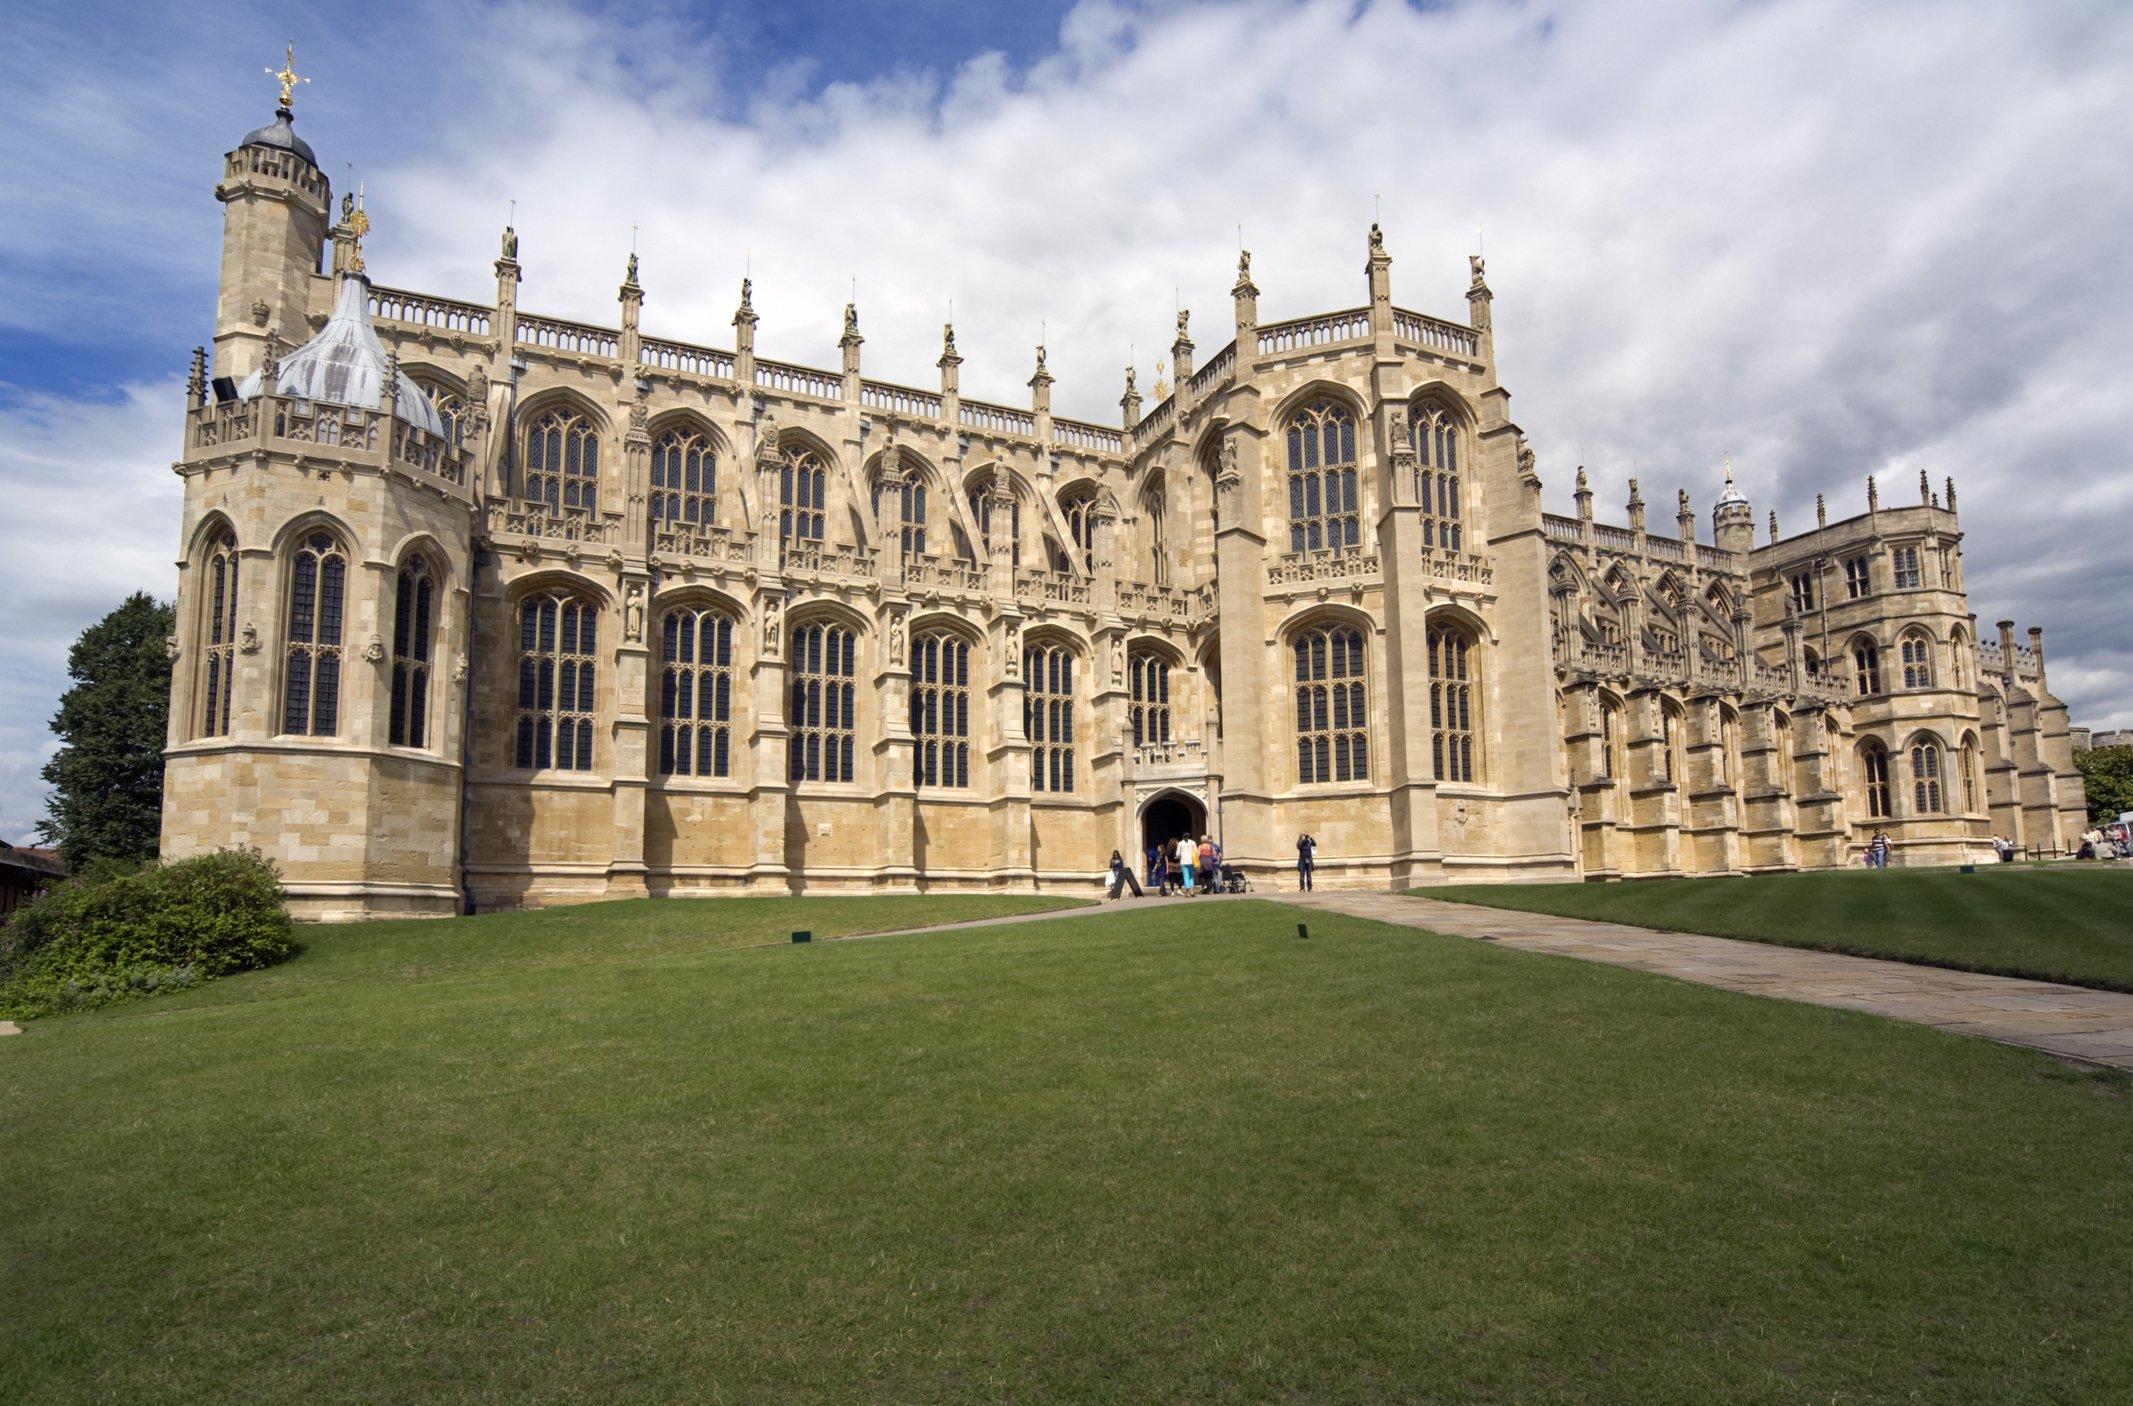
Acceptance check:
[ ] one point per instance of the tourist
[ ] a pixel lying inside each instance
(1159, 868)
(1877, 852)
(1207, 864)
(2004, 848)
(1306, 861)
(1187, 854)
(1122, 875)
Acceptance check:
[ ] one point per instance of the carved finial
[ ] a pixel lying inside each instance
(1773, 524)
(629, 275)
(1925, 487)
(388, 398)
(510, 243)
(196, 378)
(1131, 375)
(746, 313)
(1951, 493)
(1184, 316)
(287, 77)
(851, 319)
(948, 342)
(1480, 267)
(1244, 265)
(1377, 239)
(358, 226)
(1582, 488)
(1636, 496)
(1681, 500)
(1162, 387)
(1873, 495)
(1821, 512)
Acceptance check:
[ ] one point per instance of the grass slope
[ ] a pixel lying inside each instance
(1163, 1156)
(2057, 923)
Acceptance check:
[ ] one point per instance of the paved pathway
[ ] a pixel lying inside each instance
(2095, 1027)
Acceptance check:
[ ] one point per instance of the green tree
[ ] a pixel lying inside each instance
(2107, 777)
(107, 781)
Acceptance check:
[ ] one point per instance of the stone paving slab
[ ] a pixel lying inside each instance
(2072, 1022)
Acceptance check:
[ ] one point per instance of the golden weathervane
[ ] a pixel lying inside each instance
(287, 77)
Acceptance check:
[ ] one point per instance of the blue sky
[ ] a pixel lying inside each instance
(1830, 237)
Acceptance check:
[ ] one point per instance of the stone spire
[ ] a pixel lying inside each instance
(950, 361)
(1040, 387)
(1378, 269)
(1951, 493)
(1584, 495)
(1129, 404)
(1246, 294)
(851, 340)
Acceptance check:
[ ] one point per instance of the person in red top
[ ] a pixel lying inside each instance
(1207, 864)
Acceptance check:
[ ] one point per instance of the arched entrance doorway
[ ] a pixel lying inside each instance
(1170, 815)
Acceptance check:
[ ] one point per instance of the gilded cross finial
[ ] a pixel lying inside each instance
(358, 225)
(287, 77)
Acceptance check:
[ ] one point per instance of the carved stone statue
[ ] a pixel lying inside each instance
(771, 632)
(1118, 662)
(947, 340)
(348, 206)
(633, 613)
(375, 650)
(851, 319)
(1229, 473)
(766, 443)
(1244, 266)
(1480, 266)
(1014, 649)
(896, 640)
(459, 669)
(248, 639)
(1377, 239)
(510, 242)
(170, 647)
(1398, 428)
(630, 275)
(1184, 316)
(641, 410)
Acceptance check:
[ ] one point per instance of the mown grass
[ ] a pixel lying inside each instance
(2055, 923)
(1150, 1156)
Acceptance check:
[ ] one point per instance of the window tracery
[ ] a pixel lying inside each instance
(1436, 440)
(940, 710)
(1324, 505)
(1332, 723)
(1917, 656)
(311, 682)
(1925, 777)
(1875, 762)
(1866, 664)
(563, 463)
(696, 693)
(1149, 676)
(414, 599)
(684, 480)
(802, 496)
(1451, 703)
(824, 707)
(558, 637)
(1048, 716)
(907, 501)
(219, 631)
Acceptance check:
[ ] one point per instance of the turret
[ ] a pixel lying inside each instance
(1245, 293)
(276, 203)
(1733, 519)
(1378, 268)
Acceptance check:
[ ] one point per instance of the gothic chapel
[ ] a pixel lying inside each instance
(479, 608)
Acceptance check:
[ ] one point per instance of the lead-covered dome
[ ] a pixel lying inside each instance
(281, 134)
(345, 364)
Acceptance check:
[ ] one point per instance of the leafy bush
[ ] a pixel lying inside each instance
(99, 939)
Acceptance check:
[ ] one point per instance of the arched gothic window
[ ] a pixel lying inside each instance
(1436, 440)
(219, 635)
(1967, 760)
(1917, 656)
(414, 608)
(563, 463)
(311, 683)
(940, 709)
(1048, 715)
(1669, 743)
(684, 481)
(801, 496)
(905, 522)
(1324, 506)
(452, 410)
(1332, 720)
(1875, 762)
(1150, 708)
(1158, 545)
(1866, 666)
(823, 713)
(1925, 778)
(1451, 703)
(1610, 740)
(696, 693)
(558, 638)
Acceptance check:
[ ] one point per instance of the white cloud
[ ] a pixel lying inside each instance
(1833, 238)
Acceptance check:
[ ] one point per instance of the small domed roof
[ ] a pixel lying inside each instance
(1732, 494)
(345, 364)
(280, 133)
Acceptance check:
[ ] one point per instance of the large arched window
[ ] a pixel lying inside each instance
(1670, 726)
(1866, 667)
(1048, 715)
(563, 463)
(802, 488)
(1150, 675)
(1925, 778)
(1332, 720)
(904, 522)
(1152, 512)
(311, 681)
(558, 638)
(1917, 654)
(684, 480)
(1451, 702)
(1967, 760)
(696, 693)
(1436, 440)
(1610, 739)
(1874, 762)
(452, 411)
(824, 709)
(218, 635)
(414, 610)
(940, 709)
(1324, 505)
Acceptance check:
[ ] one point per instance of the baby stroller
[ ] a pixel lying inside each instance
(1233, 880)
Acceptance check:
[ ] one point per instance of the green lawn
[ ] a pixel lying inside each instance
(1163, 1155)
(2056, 923)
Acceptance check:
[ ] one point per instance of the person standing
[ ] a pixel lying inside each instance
(1879, 849)
(1207, 864)
(1186, 855)
(1306, 861)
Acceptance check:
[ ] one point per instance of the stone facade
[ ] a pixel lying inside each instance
(610, 615)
